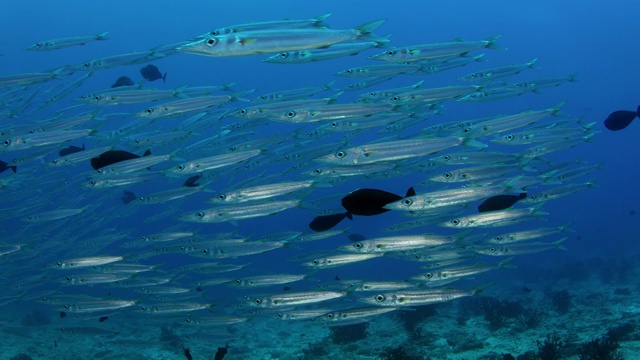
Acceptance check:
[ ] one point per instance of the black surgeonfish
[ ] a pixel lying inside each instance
(5, 166)
(192, 181)
(620, 119)
(114, 156)
(128, 197)
(123, 81)
(363, 202)
(326, 222)
(151, 73)
(356, 237)
(500, 202)
(222, 351)
(369, 202)
(70, 150)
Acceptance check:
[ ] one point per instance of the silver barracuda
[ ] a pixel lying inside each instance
(211, 162)
(238, 212)
(299, 298)
(62, 43)
(279, 40)
(311, 55)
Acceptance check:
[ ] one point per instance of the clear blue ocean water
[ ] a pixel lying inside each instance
(596, 40)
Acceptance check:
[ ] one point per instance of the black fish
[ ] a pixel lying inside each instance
(326, 222)
(222, 351)
(187, 353)
(500, 202)
(151, 73)
(123, 81)
(368, 202)
(70, 150)
(63, 314)
(128, 197)
(113, 156)
(620, 119)
(4, 166)
(356, 237)
(192, 181)
(103, 318)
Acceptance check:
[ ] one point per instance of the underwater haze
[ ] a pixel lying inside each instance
(230, 202)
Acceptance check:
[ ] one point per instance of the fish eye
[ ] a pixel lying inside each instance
(316, 262)
(466, 130)
(334, 124)
(149, 111)
(446, 158)
(317, 171)
(407, 202)
(212, 42)
(391, 52)
(200, 215)
(141, 199)
(92, 182)
(291, 114)
(7, 142)
(258, 301)
(395, 98)
(340, 154)
(238, 281)
(329, 316)
(68, 278)
(357, 245)
(180, 167)
(263, 97)
(284, 55)
(349, 71)
(498, 238)
(447, 175)
(87, 65)
(492, 250)
(428, 275)
(380, 298)
(455, 221)
(509, 137)
(243, 111)
(280, 315)
(222, 196)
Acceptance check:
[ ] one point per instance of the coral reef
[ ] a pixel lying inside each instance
(602, 348)
(550, 348)
(561, 300)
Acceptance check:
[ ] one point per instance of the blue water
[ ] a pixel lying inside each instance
(596, 39)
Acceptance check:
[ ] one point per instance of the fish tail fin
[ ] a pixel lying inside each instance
(532, 64)
(558, 244)
(331, 99)
(573, 77)
(478, 290)
(328, 86)
(102, 36)
(638, 111)
(228, 86)
(506, 263)
(365, 32)
(555, 110)
(410, 192)
(479, 58)
(164, 78)
(491, 42)
(317, 21)
(348, 215)
(522, 195)
(147, 153)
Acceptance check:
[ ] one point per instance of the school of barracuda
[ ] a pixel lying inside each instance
(66, 231)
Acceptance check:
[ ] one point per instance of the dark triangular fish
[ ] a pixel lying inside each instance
(500, 202)
(192, 181)
(222, 351)
(368, 202)
(128, 197)
(151, 73)
(70, 150)
(326, 222)
(113, 156)
(5, 166)
(187, 353)
(123, 81)
(103, 318)
(356, 237)
(620, 119)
